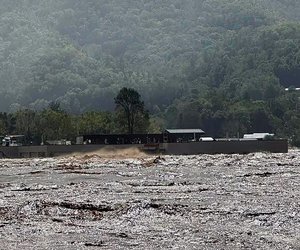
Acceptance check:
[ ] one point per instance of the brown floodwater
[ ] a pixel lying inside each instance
(128, 200)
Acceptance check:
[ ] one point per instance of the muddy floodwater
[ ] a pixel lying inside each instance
(151, 202)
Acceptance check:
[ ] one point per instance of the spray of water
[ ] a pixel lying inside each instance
(112, 153)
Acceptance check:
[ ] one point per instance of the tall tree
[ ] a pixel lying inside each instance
(25, 123)
(128, 102)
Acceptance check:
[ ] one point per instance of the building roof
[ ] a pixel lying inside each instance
(185, 131)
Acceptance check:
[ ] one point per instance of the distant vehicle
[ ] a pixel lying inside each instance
(292, 89)
(13, 140)
(206, 139)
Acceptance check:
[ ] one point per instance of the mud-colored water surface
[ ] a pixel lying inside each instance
(149, 202)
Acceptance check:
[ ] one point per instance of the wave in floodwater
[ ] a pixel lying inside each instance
(111, 153)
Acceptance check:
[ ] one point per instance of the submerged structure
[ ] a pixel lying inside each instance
(171, 141)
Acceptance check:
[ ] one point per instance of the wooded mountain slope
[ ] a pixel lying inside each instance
(191, 60)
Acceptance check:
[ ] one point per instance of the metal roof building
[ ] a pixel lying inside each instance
(182, 135)
(185, 131)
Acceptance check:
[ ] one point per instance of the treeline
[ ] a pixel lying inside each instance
(53, 123)
(216, 114)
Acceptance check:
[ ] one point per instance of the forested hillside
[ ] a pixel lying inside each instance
(221, 65)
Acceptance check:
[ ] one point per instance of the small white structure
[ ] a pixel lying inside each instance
(257, 136)
(206, 139)
(58, 142)
(13, 140)
(292, 89)
(79, 140)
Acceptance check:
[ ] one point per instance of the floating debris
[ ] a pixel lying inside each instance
(152, 202)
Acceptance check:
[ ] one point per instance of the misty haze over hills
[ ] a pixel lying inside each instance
(191, 60)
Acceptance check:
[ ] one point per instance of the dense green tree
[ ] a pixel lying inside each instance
(94, 123)
(54, 125)
(131, 111)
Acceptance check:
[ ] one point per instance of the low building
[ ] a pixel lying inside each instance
(169, 135)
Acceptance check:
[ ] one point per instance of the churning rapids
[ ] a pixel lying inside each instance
(148, 202)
